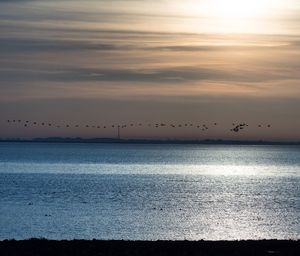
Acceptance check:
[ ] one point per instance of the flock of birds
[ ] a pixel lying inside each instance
(236, 127)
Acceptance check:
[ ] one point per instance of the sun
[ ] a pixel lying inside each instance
(240, 8)
(232, 8)
(232, 16)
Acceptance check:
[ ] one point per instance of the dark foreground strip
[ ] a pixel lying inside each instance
(39, 247)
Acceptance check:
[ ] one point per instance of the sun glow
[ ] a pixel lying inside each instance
(241, 8)
(232, 16)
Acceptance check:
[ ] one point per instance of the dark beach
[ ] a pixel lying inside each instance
(97, 247)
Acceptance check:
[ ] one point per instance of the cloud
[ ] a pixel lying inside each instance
(36, 45)
(147, 58)
(175, 75)
(154, 76)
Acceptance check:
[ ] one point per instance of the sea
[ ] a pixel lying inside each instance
(149, 192)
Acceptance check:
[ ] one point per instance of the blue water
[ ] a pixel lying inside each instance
(149, 192)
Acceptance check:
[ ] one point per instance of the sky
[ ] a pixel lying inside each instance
(112, 62)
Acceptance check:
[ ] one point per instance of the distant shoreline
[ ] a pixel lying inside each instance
(149, 248)
(150, 141)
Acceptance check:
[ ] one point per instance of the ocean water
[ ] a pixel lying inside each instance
(149, 192)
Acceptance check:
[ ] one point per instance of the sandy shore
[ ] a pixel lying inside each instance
(131, 248)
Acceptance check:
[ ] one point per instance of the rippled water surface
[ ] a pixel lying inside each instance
(112, 191)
